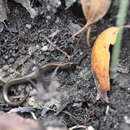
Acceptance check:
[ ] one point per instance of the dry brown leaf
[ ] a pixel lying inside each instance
(100, 60)
(93, 11)
(26, 4)
(3, 13)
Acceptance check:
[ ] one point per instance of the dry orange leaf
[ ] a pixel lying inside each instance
(100, 60)
(93, 11)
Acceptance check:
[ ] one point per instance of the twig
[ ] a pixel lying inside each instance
(78, 127)
(74, 117)
(57, 48)
(33, 115)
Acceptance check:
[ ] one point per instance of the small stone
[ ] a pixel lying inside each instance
(34, 102)
(41, 58)
(2, 62)
(55, 3)
(28, 26)
(1, 27)
(37, 46)
(127, 119)
(57, 20)
(11, 60)
(6, 57)
(90, 128)
(44, 48)
(5, 67)
(69, 3)
(33, 92)
(74, 27)
(54, 33)
(32, 49)
(77, 104)
(48, 17)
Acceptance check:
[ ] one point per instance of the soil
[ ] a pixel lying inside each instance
(22, 44)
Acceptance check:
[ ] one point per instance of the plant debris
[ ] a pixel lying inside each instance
(100, 60)
(25, 3)
(93, 11)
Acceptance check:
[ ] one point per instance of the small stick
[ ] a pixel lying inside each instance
(83, 29)
(74, 117)
(33, 115)
(88, 36)
(78, 127)
(57, 48)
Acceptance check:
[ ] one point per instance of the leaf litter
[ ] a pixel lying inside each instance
(100, 60)
(93, 11)
(25, 3)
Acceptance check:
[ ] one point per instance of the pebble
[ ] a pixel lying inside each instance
(55, 3)
(44, 48)
(127, 119)
(32, 49)
(34, 102)
(77, 105)
(48, 17)
(2, 62)
(54, 33)
(6, 57)
(1, 27)
(41, 58)
(90, 128)
(28, 26)
(11, 60)
(5, 67)
(74, 27)
(69, 3)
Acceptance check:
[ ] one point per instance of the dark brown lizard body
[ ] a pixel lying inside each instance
(28, 78)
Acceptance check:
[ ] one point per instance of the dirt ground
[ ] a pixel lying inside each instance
(23, 43)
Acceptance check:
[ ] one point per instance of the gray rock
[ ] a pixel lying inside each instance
(1, 27)
(3, 11)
